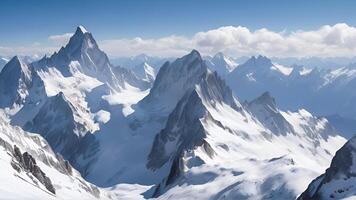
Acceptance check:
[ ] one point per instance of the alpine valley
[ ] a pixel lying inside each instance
(75, 126)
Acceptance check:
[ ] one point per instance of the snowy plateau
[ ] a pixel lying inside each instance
(75, 126)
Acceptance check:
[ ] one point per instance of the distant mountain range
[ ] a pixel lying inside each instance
(75, 126)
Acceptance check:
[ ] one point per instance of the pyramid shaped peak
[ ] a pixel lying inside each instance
(15, 59)
(16, 62)
(194, 53)
(81, 29)
(80, 34)
(60, 94)
(265, 99)
(60, 97)
(266, 96)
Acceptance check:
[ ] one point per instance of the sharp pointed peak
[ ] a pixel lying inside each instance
(259, 60)
(60, 95)
(80, 33)
(266, 95)
(15, 60)
(81, 29)
(195, 52)
(265, 99)
(193, 55)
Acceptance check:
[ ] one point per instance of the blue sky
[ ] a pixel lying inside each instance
(29, 22)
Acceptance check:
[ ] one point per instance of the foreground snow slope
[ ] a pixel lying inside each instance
(23, 183)
(339, 179)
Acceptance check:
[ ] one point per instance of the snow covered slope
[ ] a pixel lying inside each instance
(66, 97)
(193, 116)
(82, 54)
(217, 148)
(338, 181)
(62, 125)
(221, 64)
(132, 78)
(132, 62)
(172, 81)
(145, 72)
(31, 170)
(187, 136)
(322, 91)
(249, 80)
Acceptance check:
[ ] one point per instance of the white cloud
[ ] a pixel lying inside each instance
(326, 41)
(166, 46)
(32, 50)
(60, 39)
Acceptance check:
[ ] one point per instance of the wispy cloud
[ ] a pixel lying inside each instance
(60, 39)
(326, 41)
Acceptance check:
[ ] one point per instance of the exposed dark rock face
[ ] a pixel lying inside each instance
(27, 163)
(183, 130)
(174, 173)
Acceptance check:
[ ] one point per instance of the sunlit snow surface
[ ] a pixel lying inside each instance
(249, 161)
(247, 164)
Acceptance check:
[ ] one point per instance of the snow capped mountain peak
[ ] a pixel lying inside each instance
(194, 53)
(173, 81)
(256, 72)
(222, 64)
(259, 61)
(264, 108)
(61, 124)
(81, 29)
(82, 54)
(80, 41)
(15, 80)
(15, 62)
(60, 99)
(15, 59)
(214, 90)
(145, 72)
(198, 132)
